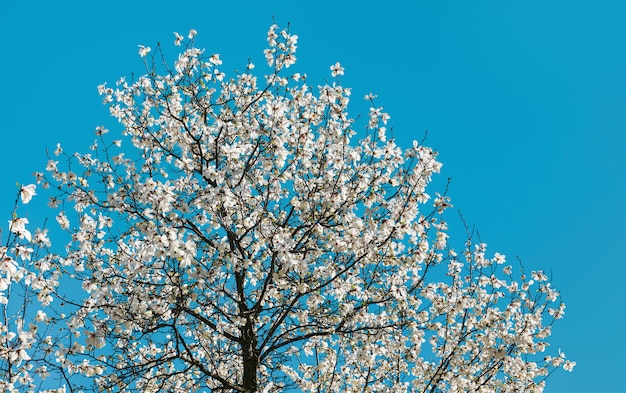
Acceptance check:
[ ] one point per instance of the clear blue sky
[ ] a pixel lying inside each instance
(524, 100)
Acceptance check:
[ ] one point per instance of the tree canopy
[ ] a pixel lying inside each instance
(238, 239)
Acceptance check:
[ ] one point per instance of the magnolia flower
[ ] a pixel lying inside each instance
(27, 193)
(499, 258)
(94, 339)
(192, 33)
(178, 40)
(8, 267)
(23, 252)
(569, 365)
(41, 316)
(18, 226)
(144, 50)
(336, 69)
(215, 59)
(539, 276)
(54, 202)
(22, 355)
(52, 166)
(63, 221)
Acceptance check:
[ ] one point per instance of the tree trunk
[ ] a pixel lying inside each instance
(250, 356)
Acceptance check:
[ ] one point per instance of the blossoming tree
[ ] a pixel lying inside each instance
(243, 242)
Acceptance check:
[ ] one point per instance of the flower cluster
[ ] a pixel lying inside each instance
(28, 278)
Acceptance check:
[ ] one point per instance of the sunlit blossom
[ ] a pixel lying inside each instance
(569, 365)
(27, 193)
(18, 226)
(144, 50)
(63, 221)
(336, 69)
(178, 40)
(23, 252)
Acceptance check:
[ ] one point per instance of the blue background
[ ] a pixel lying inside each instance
(524, 100)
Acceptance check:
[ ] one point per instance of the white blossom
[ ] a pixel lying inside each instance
(18, 226)
(27, 193)
(144, 50)
(336, 69)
